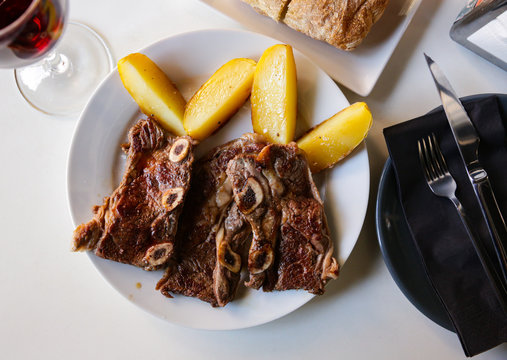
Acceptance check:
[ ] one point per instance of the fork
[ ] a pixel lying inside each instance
(441, 183)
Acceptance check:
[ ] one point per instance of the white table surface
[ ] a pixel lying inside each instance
(55, 305)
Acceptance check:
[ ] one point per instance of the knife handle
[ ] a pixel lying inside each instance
(496, 223)
(495, 279)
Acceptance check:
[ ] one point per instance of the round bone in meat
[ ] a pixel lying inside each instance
(226, 257)
(250, 196)
(172, 198)
(179, 150)
(157, 255)
(260, 260)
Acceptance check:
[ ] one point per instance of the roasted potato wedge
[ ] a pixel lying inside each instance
(274, 95)
(335, 138)
(219, 98)
(153, 91)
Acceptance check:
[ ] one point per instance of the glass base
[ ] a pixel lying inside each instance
(64, 80)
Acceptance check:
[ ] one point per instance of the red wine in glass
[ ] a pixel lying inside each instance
(56, 73)
(28, 29)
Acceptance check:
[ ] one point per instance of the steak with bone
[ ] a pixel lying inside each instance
(252, 194)
(275, 191)
(212, 230)
(137, 224)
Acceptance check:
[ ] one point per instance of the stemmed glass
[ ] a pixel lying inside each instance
(56, 74)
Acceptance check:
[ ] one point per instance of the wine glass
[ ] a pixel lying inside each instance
(56, 74)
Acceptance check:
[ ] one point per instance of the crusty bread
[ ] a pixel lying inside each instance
(272, 8)
(341, 23)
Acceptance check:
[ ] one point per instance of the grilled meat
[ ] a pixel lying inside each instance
(245, 189)
(137, 224)
(212, 232)
(253, 197)
(283, 202)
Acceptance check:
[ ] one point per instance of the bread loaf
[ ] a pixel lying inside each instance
(272, 8)
(341, 23)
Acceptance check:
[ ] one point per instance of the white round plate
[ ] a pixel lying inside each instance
(96, 164)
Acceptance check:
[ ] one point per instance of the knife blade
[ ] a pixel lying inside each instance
(467, 139)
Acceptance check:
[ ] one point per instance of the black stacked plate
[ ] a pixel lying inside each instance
(397, 247)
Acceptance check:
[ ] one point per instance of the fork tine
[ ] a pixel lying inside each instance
(434, 156)
(440, 156)
(429, 160)
(423, 161)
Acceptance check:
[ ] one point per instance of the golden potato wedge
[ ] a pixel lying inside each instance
(153, 91)
(335, 138)
(274, 95)
(219, 98)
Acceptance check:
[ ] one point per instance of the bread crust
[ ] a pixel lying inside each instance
(275, 9)
(341, 23)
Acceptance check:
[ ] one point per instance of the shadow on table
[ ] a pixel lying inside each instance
(405, 49)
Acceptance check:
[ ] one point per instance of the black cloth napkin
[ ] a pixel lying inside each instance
(451, 262)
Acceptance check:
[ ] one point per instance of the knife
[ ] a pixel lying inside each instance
(467, 139)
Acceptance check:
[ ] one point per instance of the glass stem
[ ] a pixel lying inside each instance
(57, 63)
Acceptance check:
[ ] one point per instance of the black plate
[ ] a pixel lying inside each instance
(397, 247)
